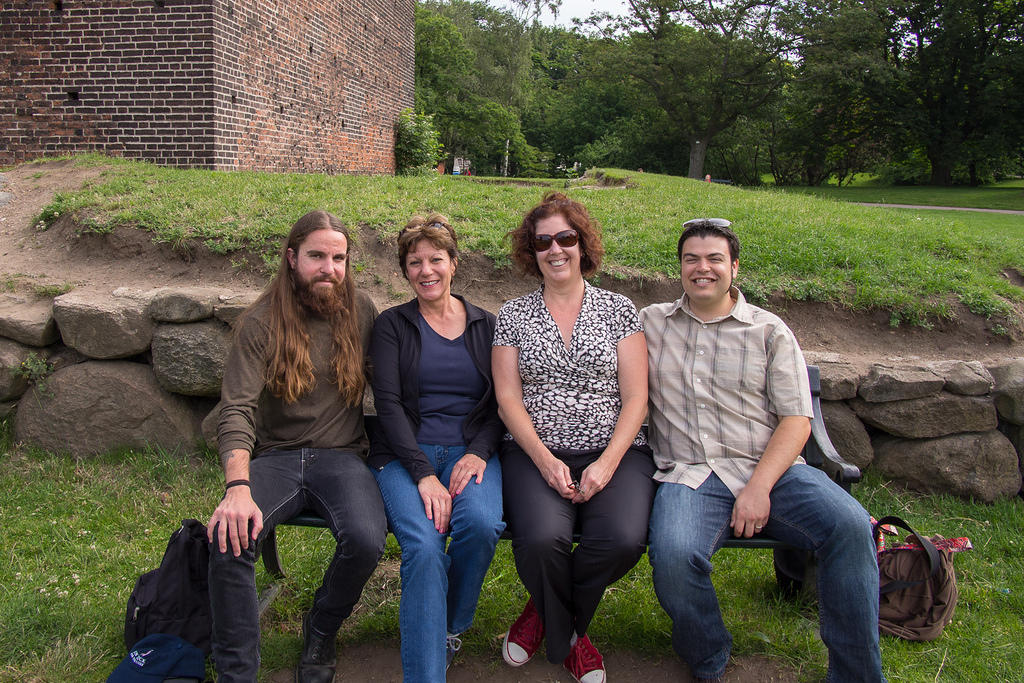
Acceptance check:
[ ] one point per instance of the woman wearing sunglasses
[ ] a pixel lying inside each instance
(432, 454)
(570, 375)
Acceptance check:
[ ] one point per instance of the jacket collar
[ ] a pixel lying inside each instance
(410, 310)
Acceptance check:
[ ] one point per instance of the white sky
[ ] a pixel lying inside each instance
(575, 8)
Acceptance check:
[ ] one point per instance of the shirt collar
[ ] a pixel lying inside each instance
(740, 311)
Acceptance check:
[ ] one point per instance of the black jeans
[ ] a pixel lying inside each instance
(566, 584)
(337, 485)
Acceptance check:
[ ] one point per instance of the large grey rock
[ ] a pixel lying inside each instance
(847, 433)
(13, 381)
(95, 407)
(968, 378)
(1009, 390)
(189, 359)
(27, 320)
(931, 416)
(230, 306)
(61, 356)
(102, 326)
(211, 424)
(982, 466)
(839, 380)
(184, 304)
(1015, 433)
(884, 383)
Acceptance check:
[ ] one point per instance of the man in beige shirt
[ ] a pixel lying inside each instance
(730, 411)
(291, 438)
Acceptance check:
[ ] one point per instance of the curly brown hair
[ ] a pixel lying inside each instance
(435, 229)
(575, 214)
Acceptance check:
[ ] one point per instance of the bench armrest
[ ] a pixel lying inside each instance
(819, 450)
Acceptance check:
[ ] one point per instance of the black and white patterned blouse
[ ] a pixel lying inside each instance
(571, 395)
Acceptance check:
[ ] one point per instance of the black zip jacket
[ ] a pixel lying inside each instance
(395, 358)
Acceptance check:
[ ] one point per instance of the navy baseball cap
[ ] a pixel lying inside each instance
(159, 657)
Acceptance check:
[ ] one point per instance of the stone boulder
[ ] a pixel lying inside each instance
(839, 379)
(189, 359)
(847, 433)
(211, 423)
(13, 381)
(104, 326)
(27, 320)
(233, 305)
(1009, 390)
(967, 378)
(928, 417)
(884, 383)
(1015, 433)
(96, 407)
(184, 304)
(982, 466)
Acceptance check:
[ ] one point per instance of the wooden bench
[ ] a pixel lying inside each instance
(790, 563)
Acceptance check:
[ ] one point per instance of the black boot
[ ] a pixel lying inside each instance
(316, 665)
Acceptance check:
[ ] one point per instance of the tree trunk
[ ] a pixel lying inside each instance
(698, 151)
(942, 171)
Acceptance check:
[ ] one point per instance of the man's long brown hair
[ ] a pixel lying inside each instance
(290, 369)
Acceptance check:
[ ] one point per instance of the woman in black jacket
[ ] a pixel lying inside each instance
(433, 453)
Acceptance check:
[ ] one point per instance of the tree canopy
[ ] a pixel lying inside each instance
(804, 90)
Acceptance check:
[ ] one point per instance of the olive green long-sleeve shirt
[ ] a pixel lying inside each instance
(255, 420)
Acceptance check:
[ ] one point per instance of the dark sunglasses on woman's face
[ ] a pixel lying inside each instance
(565, 239)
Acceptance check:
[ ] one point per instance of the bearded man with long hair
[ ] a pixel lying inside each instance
(291, 438)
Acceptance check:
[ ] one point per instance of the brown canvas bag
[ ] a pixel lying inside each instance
(917, 587)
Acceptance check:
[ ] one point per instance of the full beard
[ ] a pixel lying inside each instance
(321, 301)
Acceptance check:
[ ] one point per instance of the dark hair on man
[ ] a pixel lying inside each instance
(575, 214)
(709, 227)
(289, 367)
(434, 229)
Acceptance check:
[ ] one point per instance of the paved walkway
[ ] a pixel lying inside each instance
(941, 208)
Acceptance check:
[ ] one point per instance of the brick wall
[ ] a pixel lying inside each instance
(279, 85)
(311, 86)
(128, 77)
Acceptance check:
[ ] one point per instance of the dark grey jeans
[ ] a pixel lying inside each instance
(337, 485)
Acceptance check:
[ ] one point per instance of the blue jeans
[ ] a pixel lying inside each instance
(337, 485)
(440, 589)
(808, 511)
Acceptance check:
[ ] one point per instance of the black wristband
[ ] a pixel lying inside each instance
(236, 482)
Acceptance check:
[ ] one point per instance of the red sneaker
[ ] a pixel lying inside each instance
(584, 662)
(524, 638)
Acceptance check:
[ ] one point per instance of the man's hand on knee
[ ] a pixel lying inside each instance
(232, 519)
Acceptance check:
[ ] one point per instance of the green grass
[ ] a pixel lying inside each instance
(76, 534)
(1007, 194)
(915, 265)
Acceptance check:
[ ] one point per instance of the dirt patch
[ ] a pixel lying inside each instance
(68, 256)
(1014, 276)
(379, 663)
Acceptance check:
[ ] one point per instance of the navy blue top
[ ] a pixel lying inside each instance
(395, 362)
(450, 387)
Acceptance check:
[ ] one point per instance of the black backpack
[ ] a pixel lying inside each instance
(175, 597)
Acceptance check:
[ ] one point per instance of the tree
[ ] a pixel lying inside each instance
(708, 63)
(954, 96)
(826, 123)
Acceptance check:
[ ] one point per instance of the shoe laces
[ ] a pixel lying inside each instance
(584, 657)
(454, 643)
(528, 628)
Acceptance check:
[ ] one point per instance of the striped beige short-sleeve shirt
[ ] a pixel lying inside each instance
(718, 388)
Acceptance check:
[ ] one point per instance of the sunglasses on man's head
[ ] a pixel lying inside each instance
(716, 222)
(565, 239)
